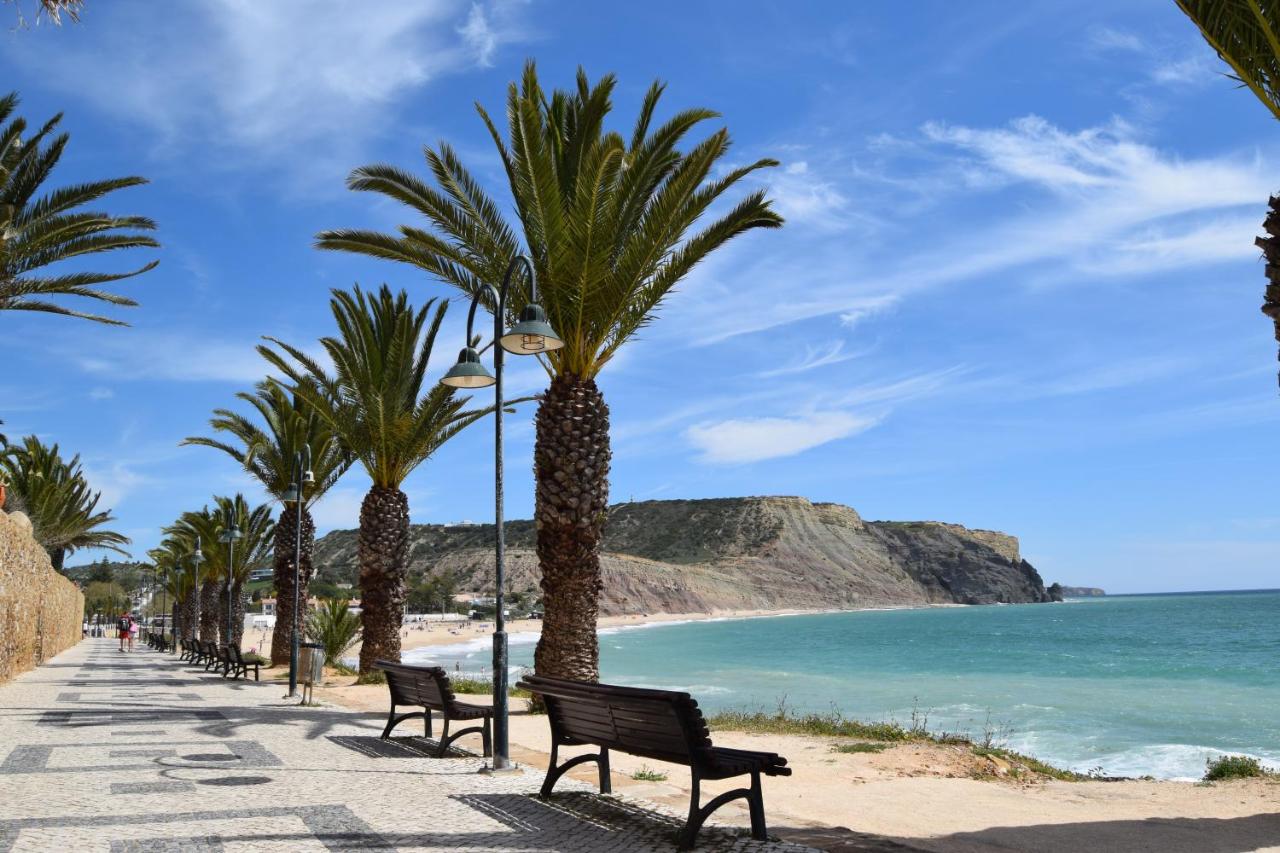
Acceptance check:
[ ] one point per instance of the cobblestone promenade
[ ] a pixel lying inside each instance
(104, 751)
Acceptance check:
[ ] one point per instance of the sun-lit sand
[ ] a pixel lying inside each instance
(923, 793)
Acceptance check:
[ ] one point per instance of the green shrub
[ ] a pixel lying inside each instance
(1233, 767)
(335, 627)
(648, 774)
(483, 686)
(829, 724)
(860, 747)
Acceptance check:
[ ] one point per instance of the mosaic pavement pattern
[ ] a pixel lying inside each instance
(104, 751)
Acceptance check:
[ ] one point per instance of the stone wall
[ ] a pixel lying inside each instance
(40, 610)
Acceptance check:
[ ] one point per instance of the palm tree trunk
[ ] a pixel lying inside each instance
(209, 611)
(57, 557)
(382, 551)
(191, 612)
(1270, 246)
(237, 613)
(285, 545)
(571, 465)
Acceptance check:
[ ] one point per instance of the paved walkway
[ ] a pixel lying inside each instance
(104, 751)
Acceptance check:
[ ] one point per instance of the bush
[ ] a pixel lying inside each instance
(648, 774)
(335, 627)
(860, 747)
(1233, 767)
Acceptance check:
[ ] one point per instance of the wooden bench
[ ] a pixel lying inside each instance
(239, 666)
(210, 655)
(427, 687)
(664, 725)
(190, 649)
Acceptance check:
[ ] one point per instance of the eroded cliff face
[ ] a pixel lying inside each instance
(689, 556)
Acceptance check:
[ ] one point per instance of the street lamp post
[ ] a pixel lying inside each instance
(229, 535)
(303, 477)
(197, 557)
(530, 336)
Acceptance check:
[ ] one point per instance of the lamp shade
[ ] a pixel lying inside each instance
(290, 494)
(468, 372)
(533, 334)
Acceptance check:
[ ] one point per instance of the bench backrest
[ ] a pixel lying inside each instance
(427, 686)
(665, 725)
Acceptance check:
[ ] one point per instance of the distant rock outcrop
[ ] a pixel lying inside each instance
(1082, 592)
(686, 556)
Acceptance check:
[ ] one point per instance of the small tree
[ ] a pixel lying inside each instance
(335, 627)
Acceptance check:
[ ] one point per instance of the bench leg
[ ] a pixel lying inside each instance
(554, 773)
(444, 737)
(426, 723)
(698, 815)
(756, 804)
(486, 739)
(691, 826)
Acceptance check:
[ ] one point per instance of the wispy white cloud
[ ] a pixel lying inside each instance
(101, 393)
(1068, 205)
(811, 359)
(173, 357)
(1110, 38)
(736, 441)
(1196, 68)
(285, 84)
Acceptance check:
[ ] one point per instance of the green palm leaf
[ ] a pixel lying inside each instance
(38, 231)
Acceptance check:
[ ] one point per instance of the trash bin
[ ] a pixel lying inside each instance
(310, 668)
(310, 663)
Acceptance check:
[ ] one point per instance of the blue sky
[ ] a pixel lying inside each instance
(1016, 290)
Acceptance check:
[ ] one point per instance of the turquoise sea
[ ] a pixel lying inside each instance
(1134, 685)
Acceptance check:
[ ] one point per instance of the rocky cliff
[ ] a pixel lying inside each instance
(1083, 592)
(689, 556)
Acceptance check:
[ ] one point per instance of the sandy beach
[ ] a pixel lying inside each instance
(925, 794)
(420, 635)
(931, 796)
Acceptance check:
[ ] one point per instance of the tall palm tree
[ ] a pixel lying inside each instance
(268, 453)
(172, 565)
(38, 231)
(1246, 35)
(59, 501)
(376, 404)
(201, 527)
(612, 226)
(257, 530)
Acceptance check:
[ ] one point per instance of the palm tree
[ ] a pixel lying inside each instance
(610, 227)
(268, 454)
(376, 405)
(257, 531)
(201, 527)
(1246, 35)
(59, 501)
(36, 232)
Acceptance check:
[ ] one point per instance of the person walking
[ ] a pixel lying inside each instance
(124, 627)
(134, 628)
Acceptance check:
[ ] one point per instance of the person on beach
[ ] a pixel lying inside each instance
(123, 627)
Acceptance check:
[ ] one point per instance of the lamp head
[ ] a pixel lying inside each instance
(532, 334)
(291, 494)
(468, 372)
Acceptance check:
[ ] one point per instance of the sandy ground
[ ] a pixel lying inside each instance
(448, 633)
(923, 795)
